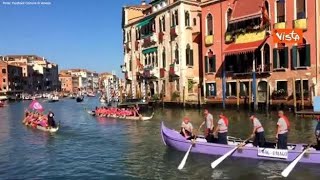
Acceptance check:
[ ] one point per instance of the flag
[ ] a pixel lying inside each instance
(35, 105)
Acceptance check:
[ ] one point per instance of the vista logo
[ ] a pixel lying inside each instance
(288, 36)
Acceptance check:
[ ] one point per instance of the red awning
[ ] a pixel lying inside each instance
(243, 47)
(245, 9)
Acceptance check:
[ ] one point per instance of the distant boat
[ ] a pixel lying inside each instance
(91, 95)
(53, 98)
(79, 98)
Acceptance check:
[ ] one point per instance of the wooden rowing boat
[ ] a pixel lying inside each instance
(141, 118)
(50, 129)
(175, 140)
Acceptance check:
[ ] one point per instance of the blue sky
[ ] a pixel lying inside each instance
(72, 33)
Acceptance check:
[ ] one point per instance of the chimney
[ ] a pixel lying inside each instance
(143, 2)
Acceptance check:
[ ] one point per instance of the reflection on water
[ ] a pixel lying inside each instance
(102, 148)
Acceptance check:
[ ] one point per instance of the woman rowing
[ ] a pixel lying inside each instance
(222, 130)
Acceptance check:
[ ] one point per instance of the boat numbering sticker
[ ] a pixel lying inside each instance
(274, 153)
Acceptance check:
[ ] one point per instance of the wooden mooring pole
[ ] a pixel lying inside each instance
(238, 95)
(294, 96)
(250, 95)
(302, 94)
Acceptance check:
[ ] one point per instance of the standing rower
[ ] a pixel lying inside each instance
(317, 133)
(222, 129)
(208, 121)
(257, 132)
(282, 130)
(186, 128)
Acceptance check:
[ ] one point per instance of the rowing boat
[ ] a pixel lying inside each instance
(173, 139)
(50, 129)
(142, 118)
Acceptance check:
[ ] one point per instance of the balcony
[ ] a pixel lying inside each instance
(209, 40)
(246, 37)
(174, 70)
(162, 72)
(149, 40)
(151, 72)
(300, 24)
(279, 25)
(229, 38)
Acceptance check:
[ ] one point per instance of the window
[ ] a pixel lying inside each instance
(301, 55)
(228, 17)
(194, 21)
(305, 87)
(210, 64)
(280, 57)
(211, 89)
(189, 56)
(244, 89)
(163, 87)
(176, 18)
(4, 71)
(281, 11)
(231, 89)
(163, 23)
(190, 85)
(301, 9)
(177, 85)
(164, 58)
(130, 65)
(209, 25)
(187, 18)
(4, 80)
(282, 86)
(160, 24)
(176, 54)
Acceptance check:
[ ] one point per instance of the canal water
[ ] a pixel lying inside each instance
(98, 148)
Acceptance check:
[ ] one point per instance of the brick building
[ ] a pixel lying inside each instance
(10, 79)
(66, 82)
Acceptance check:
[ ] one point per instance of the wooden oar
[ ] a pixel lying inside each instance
(288, 169)
(184, 160)
(219, 160)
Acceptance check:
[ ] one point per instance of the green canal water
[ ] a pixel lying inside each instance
(98, 148)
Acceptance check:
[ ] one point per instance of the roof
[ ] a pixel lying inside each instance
(139, 7)
(246, 9)
(243, 47)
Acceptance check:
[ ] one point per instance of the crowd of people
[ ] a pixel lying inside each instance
(219, 133)
(117, 112)
(35, 119)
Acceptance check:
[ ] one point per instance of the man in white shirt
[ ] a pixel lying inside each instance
(282, 130)
(208, 121)
(222, 129)
(257, 132)
(186, 128)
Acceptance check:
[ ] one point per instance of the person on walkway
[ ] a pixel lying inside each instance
(51, 122)
(186, 128)
(282, 130)
(208, 121)
(257, 132)
(317, 133)
(222, 129)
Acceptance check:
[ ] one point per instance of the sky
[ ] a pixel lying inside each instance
(72, 33)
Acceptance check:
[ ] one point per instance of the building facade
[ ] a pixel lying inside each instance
(66, 82)
(240, 57)
(162, 49)
(11, 79)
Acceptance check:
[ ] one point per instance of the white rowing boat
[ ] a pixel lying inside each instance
(141, 118)
(49, 129)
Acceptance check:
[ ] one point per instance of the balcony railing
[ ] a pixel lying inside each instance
(300, 24)
(229, 38)
(280, 25)
(174, 70)
(251, 36)
(173, 32)
(209, 40)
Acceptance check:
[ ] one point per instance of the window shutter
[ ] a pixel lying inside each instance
(286, 56)
(187, 57)
(191, 57)
(275, 58)
(294, 57)
(308, 55)
(214, 63)
(227, 89)
(206, 64)
(215, 89)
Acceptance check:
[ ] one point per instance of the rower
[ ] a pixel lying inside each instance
(317, 133)
(186, 128)
(51, 122)
(136, 110)
(222, 129)
(208, 121)
(282, 131)
(257, 132)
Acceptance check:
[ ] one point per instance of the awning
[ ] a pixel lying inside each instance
(246, 9)
(144, 22)
(150, 50)
(243, 47)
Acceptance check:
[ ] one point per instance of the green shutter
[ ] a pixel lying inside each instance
(308, 55)
(206, 64)
(275, 58)
(214, 63)
(191, 57)
(286, 56)
(294, 57)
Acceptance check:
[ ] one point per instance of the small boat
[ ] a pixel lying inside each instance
(173, 139)
(141, 118)
(51, 130)
(3, 97)
(53, 98)
(79, 98)
(91, 95)
(102, 100)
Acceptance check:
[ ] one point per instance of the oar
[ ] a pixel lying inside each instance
(288, 169)
(219, 160)
(184, 160)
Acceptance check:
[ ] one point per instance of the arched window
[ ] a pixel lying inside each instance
(301, 9)
(303, 55)
(177, 17)
(194, 21)
(164, 23)
(164, 57)
(172, 20)
(176, 54)
(187, 18)
(189, 56)
(266, 55)
(209, 25)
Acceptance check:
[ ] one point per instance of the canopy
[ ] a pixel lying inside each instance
(150, 50)
(144, 22)
(243, 47)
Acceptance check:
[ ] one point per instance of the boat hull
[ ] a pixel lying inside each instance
(51, 130)
(79, 99)
(174, 140)
(141, 118)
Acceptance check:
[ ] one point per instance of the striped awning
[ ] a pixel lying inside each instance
(150, 50)
(144, 22)
(243, 47)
